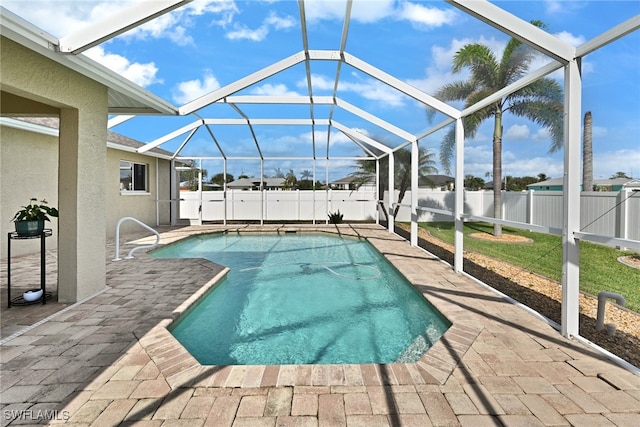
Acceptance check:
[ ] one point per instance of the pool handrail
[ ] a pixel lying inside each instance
(130, 255)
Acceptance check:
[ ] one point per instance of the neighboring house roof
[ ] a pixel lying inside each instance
(114, 140)
(435, 180)
(623, 182)
(255, 182)
(547, 183)
(424, 181)
(350, 180)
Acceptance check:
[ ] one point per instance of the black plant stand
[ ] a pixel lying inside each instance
(45, 295)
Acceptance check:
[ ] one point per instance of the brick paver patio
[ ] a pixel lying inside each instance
(110, 360)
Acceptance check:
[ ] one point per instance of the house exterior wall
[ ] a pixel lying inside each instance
(83, 109)
(141, 206)
(29, 165)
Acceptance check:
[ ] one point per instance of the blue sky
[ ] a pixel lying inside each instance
(209, 44)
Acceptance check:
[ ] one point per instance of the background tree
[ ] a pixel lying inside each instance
(278, 173)
(620, 175)
(290, 180)
(305, 183)
(366, 171)
(219, 179)
(516, 183)
(190, 178)
(541, 101)
(587, 153)
(542, 177)
(473, 183)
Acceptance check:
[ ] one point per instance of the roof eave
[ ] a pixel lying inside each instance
(33, 38)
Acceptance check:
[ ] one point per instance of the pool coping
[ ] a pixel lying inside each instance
(437, 364)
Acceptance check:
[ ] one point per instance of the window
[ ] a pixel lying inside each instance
(133, 176)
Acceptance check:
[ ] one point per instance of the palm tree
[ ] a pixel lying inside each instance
(541, 101)
(277, 173)
(290, 180)
(306, 174)
(587, 153)
(366, 171)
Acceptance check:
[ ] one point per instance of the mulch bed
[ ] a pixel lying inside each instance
(545, 296)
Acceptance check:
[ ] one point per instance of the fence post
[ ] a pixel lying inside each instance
(623, 215)
(530, 207)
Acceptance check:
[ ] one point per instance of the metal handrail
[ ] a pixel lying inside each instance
(130, 255)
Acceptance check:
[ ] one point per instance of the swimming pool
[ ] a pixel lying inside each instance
(303, 298)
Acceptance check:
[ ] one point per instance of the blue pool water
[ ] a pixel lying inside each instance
(303, 298)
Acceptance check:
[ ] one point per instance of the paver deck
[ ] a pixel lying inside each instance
(111, 361)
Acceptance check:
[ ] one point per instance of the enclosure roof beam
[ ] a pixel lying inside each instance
(268, 99)
(361, 137)
(517, 28)
(242, 83)
(168, 137)
(115, 121)
(513, 87)
(620, 30)
(286, 122)
(401, 86)
(375, 120)
(253, 134)
(115, 24)
(186, 140)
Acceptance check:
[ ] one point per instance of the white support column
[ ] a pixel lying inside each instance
(377, 190)
(174, 192)
(391, 192)
(530, 206)
(157, 191)
(571, 200)
(224, 191)
(313, 214)
(415, 162)
(261, 191)
(200, 191)
(458, 255)
(327, 198)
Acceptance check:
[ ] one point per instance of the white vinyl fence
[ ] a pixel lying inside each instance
(615, 214)
(297, 205)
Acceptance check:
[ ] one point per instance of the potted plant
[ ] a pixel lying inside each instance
(30, 219)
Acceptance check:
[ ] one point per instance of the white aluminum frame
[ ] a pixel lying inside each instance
(563, 55)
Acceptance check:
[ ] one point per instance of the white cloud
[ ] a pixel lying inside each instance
(372, 11)
(425, 16)
(274, 90)
(569, 38)
(242, 32)
(280, 23)
(141, 74)
(192, 89)
(438, 73)
(371, 89)
(517, 132)
(606, 164)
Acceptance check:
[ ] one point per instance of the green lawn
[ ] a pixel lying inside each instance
(599, 268)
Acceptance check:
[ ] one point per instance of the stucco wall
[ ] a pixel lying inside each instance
(29, 165)
(83, 106)
(141, 206)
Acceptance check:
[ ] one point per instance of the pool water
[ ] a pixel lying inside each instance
(303, 299)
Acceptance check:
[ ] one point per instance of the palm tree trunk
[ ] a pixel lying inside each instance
(587, 153)
(497, 171)
(404, 185)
